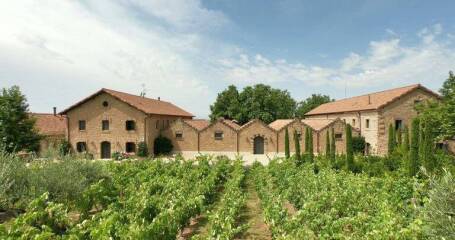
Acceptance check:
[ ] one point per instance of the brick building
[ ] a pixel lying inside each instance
(51, 127)
(372, 113)
(110, 121)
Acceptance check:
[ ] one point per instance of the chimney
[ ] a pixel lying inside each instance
(55, 111)
(159, 99)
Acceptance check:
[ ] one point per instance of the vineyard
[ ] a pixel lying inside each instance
(219, 198)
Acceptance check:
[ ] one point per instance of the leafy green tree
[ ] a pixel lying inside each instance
(349, 148)
(358, 144)
(307, 140)
(142, 149)
(310, 103)
(399, 137)
(17, 130)
(427, 157)
(406, 139)
(310, 145)
(448, 87)
(287, 152)
(447, 109)
(422, 140)
(298, 156)
(332, 146)
(162, 145)
(391, 140)
(413, 167)
(327, 144)
(254, 102)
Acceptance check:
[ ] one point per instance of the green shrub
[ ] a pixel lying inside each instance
(349, 149)
(142, 150)
(439, 212)
(65, 180)
(413, 161)
(358, 144)
(287, 152)
(64, 148)
(298, 156)
(162, 146)
(13, 180)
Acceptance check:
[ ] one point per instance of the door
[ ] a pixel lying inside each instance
(258, 145)
(105, 150)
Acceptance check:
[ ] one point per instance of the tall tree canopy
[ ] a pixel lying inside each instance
(259, 101)
(310, 103)
(17, 130)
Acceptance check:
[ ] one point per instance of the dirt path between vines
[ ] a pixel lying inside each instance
(252, 215)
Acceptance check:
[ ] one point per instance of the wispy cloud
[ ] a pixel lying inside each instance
(385, 62)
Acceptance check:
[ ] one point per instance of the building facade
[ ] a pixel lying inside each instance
(372, 114)
(51, 127)
(110, 121)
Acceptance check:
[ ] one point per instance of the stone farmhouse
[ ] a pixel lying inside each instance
(109, 121)
(52, 127)
(372, 113)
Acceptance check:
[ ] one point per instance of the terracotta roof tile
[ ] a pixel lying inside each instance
(50, 124)
(231, 124)
(280, 123)
(370, 101)
(198, 124)
(318, 124)
(146, 105)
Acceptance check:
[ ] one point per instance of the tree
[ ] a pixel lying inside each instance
(406, 139)
(307, 140)
(257, 102)
(399, 137)
(358, 144)
(310, 145)
(227, 105)
(162, 146)
(332, 146)
(349, 148)
(427, 157)
(448, 87)
(142, 149)
(298, 157)
(391, 140)
(286, 144)
(17, 128)
(327, 144)
(414, 148)
(310, 103)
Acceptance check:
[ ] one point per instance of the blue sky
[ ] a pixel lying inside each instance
(186, 51)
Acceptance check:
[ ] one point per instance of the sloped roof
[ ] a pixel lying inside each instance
(231, 124)
(280, 123)
(253, 121)
(198, 124)
(146, 105)
(372, 101)
(318, 124)
(50, 124)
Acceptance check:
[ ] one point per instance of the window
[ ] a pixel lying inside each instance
(105, 104)
(398, 124)
(81, 125)
(179, 135)
(157, 125)
(218, 135)
(130, 147)
(130, 125)
(81, 147)
(105, 125)
(338, 136)
(367, 123)
(417, 101)
(353, 122)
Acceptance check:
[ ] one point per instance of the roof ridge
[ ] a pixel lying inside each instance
(386, 90)
(134, 95)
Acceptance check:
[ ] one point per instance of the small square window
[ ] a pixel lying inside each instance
(130, 125)
(81, 125)
(218, 135)
(105, 125)
(81, 147)
(338, 136)
(353, 122)
(130, 147)
(398, 124)
(417, 101)
(367, 123)
(105, 104)
(179, 135)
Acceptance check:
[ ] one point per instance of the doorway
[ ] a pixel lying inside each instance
(258, 145)
(105, 150)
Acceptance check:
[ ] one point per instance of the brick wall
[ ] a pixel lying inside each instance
(208, 143)
(257, 128)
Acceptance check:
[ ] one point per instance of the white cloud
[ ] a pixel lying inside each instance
(60, 46)
(387, 62)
